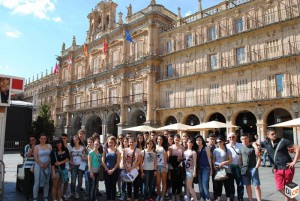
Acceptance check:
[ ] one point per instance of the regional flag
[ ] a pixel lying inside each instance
(128, 36)
(56, 68)
(104, 46)
(85, 49)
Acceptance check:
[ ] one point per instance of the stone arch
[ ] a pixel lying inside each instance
(93, 125)
(170, 120)
(112, 123)
(247, 122)
(137, 118)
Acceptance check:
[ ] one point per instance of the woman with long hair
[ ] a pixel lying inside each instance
(162, 166)
(169, 183)
(222, 158)
(89, 147)
(120, 147)
(29, 162)
(41, 167)
(148, 169)
(77, 156)
(131, 160)
(59, 157)
(175, 157)
(204, 167)
(190, 158)
(94, 162)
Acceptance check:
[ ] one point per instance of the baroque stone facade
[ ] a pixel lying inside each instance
(237, 62)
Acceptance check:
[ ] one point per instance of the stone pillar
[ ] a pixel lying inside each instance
(261, 130)
(150, 39)
(150, 95)
(124, 111)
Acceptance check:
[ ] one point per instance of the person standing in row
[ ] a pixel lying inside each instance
(204, 167)
(111, 162)
(42, 167)
(94, 162)
(64, 138)
(252, 163)
(59, 157)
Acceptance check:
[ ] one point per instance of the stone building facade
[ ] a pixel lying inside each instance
(237, 62)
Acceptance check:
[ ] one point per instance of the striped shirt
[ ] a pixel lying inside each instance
(30, 160)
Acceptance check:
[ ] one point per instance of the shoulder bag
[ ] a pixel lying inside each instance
(129, 177)
(64, 174)
(221, 174)
(275, 154)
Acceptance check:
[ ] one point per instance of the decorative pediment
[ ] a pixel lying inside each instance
(95, 51)
(115, 42)
(139, 32)
(80, 57)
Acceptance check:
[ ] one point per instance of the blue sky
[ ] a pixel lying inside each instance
(32, 31)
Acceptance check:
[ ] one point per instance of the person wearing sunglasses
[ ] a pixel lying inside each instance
(284, 165)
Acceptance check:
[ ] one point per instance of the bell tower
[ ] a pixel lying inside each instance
(102, 19)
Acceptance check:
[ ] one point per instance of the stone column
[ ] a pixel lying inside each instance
(261, 130)
(150, 96)
(124, 111)
(150, 39)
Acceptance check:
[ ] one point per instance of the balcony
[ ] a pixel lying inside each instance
(99, 103)
(136, 98)
(254, 56)
(291, 90)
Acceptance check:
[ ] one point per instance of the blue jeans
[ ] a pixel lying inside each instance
(149, 182)
(203, 179)
(74, 173)
(86, 179)
(41, 178)
(236, 174)
(93, 182)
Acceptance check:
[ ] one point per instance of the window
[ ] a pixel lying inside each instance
(272, 48)
(279, 85)
(96, 64)
(77, 102)
(113, 99)
(276, 86)
(138, 92)
(169, 70)
(189, 40)
(94, 99)
(190, 97)
(115, 58)
(239, 25)
(212, 33)
(242, 90)
(213, 61)
(214, 94)
(169, 99)
(169, 47)
(270, 16)
(138, 49)
(240, 55)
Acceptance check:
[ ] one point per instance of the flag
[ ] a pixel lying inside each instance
(85, 49)
(70, 62)
(56, 68)
(128, 37)
(104, 46)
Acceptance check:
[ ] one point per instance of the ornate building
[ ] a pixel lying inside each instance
(237, 62)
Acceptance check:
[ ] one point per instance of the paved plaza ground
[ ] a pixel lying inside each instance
(11, 159)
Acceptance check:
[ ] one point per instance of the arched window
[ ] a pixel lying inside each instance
(139, 49)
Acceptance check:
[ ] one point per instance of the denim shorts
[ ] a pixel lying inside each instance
(189, 174)
(161, 169)
(252, 177)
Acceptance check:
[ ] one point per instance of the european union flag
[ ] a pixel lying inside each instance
(128, 37)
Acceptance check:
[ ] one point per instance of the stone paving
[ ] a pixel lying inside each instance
(11, 159)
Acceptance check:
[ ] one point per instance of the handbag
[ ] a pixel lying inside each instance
(21, 171)
(64, 174)
(221, 175)
(244, 170)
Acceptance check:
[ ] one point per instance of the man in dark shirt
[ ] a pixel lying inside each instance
(284, 165)
(250, 160)
(212, 145)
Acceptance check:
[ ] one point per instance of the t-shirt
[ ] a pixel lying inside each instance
(248, 153)
(283, 157)
(188, 159)
(221, 156)
(95, 161)
(160, 156)
(29, 160)
(77, 155)
(235, 151)
(128, 156)
(148, 156)
(59, 157)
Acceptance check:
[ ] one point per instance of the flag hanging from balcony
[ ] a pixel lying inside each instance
(56, 68)
(128, 36)
(85, 49)
(104, 46)
(70, 62)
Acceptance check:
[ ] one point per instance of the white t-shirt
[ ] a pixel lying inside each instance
(189, 161)
(128, 156)
(235, 150)
(148, 159)
(77, 155)
(160, 153)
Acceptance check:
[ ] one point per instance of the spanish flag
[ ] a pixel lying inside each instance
(104, 46)
(85, 49)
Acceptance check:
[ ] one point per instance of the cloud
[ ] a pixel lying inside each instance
(188, 13)
(13, 34)
(38, 8)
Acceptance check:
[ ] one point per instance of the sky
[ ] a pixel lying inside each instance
(32, 31)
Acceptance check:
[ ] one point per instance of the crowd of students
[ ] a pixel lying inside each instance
(168, 166)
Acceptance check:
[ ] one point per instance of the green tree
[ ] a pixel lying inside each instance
(44, 123)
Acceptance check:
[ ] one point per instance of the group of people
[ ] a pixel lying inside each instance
(168, 165)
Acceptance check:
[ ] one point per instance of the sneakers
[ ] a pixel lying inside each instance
(157, 198)
(66, 197)
(122, 197)
(185, 198)
(76, 195)
(119, 194)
